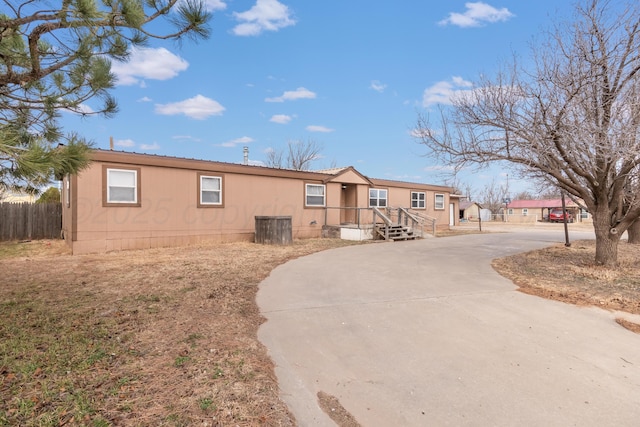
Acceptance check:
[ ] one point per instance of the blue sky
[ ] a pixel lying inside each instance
(351, 75)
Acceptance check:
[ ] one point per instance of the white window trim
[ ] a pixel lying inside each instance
(418, 200)
(219, 202)
(306, 195)
(135, 186)
(525, 211)
(378, 198)
(439, 206)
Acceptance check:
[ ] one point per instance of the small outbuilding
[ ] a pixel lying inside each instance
(469, 211)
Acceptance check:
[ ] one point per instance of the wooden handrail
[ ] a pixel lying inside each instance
(422, 219)
(389, 214)
(385, 219)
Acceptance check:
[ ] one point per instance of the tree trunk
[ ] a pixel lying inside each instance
(607, 240)
(634, 232)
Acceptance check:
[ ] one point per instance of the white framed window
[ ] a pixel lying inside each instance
(509, 211)
(314, 195)
(439, 202)
(418, 200)
(122, 186)
(525, 211)
(377, 198)
(210, 190)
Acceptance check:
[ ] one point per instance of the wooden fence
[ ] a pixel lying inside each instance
(27, 221)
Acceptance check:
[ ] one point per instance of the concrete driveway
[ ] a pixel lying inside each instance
(425, 333)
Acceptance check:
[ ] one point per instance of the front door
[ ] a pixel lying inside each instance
(348, 203)
(452, 214)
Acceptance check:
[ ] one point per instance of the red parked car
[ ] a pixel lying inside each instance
(556, 215)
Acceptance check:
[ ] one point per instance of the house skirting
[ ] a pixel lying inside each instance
(348, 232)
(161, 240)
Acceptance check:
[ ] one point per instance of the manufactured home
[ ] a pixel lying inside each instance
(127, 200)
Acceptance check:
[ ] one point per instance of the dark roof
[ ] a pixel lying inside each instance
(464, 204)
(133, 158)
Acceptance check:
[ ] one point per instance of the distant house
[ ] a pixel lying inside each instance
(133, 201)
(469, 211)
(538, 210)
(12, 197)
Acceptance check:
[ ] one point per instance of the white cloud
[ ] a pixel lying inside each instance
(80, 110)
(145, 99)
(125, 143)
(153, 146)
(148, 63)
(476, 15)
(404, 177)
(439, 168)
(442, 92)
(377, 86)
(237, 141)
(292, 95)
(314, 128)
(212, 5)
(186, 138)
(199, 107)
(85, 109)
(266, 15)
(283, 119)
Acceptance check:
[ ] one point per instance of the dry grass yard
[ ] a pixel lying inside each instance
(162, 337)
(568, 274)
(168, 337)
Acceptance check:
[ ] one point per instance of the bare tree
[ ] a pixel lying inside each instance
(298, 155)
(572, 120)
(459, 187)
(55, 57)
(549, 193)
(524, 195)
(634, 233)
(492, 196)
(275, 159)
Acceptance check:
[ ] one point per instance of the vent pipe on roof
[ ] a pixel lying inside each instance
(245, 151)
(111, 143)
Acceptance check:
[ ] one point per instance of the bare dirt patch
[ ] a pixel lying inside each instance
(456, 232)
(569, 274)
(633, 327)
(161, 337)
(334, 409)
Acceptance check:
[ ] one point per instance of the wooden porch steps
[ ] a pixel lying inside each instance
(395, 232)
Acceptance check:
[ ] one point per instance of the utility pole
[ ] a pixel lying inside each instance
(566, 227)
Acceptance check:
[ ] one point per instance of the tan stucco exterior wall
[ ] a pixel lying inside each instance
(169, 212)
(399, 196)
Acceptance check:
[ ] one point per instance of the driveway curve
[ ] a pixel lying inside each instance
(426, 333)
